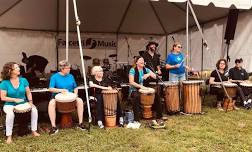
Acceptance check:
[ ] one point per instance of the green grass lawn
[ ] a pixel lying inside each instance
(214, 131)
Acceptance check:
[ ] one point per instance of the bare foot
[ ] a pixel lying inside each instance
(9, 140)
(35, 133)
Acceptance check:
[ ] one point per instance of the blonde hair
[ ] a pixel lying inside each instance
(95, 69)
(63, 64)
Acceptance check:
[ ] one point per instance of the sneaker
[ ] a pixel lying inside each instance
(53, 131)
(121, 122)
(249, 101)
(136, 125)
(245, 103)
(81, 126)
(100, 124)
(161, 123)
(219, 108)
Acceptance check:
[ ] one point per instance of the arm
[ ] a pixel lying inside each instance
(211, 81)
(29, 95)
(91, 84)
(168, 66)
(9, 99)
(159, 70)
(133, 83)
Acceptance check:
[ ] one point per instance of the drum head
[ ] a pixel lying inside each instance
(22, 107)
(171, 83)
(229, 84)
(192, 82)
(66, 97)
(146, 91)
(246, 84)
(110, 91)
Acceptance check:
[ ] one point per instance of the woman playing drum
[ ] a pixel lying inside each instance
(137, 77)
(98, 83)
(15, 90)
(216, 85)
(63, 82)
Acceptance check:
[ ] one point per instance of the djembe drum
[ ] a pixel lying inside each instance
(23, 117)
(147, 97)
(192, 96)
(110, 105)
(231, 91)
(65, 104)
(171, 92)
(246, 87)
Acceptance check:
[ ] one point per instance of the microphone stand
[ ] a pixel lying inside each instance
(129, 50)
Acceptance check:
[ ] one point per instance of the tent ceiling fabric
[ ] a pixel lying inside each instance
(240, 4)
(107, 16)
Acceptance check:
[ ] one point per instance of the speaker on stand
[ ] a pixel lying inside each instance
(230, 28)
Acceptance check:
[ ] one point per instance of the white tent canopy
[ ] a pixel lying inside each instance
(33, 26)
(240, 4)
(107, 16)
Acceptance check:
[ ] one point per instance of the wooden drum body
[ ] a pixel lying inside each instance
(172, 97)
(147, 97)
(65, 104)
(231, 89)
(23, 117)
(110, 105)
(192, 97)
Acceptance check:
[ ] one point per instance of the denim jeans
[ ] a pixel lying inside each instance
(176, 77)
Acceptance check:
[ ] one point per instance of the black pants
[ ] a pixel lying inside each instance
(135, 96)
(100, 108)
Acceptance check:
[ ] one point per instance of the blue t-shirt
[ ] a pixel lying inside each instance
(62, 82)
(140, 80)
(174, 59)
(12, 92)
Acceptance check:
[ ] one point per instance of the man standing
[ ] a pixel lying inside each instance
(151, 58)
(152, 61)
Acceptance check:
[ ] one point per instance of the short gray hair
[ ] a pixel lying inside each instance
(63, 64)
(95, 69)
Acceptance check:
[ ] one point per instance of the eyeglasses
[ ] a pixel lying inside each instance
(179, 47)
(16, 68)
(223, 63)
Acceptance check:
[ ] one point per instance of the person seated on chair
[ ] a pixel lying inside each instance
(15, 90)
(137, 77)
(62, 82)
(215, 82)
(99, 83)
(239, 75)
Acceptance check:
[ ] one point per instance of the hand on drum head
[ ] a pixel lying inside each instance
(109, 88)
(144, 88)
(64, 91)
(19, 100)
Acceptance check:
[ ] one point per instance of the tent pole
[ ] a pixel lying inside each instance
(57, 36)
(198, 25)
(187, 34)
(82, 63)
(67, 28)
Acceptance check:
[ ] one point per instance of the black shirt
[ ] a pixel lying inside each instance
(238, 74)
(151, 61)
(104, 82)
(214, 74)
